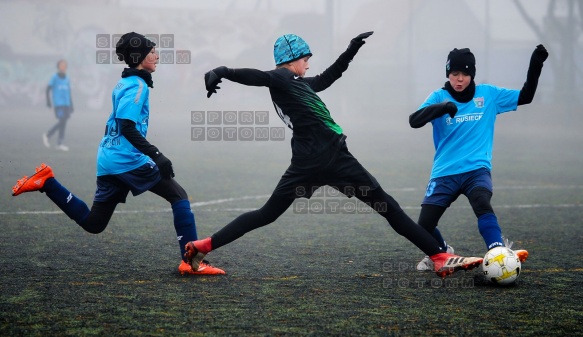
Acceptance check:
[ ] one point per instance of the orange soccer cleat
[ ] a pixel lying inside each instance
(204, 269)
(446, 264)
(522, 254)
(34, 182)
(193, 253)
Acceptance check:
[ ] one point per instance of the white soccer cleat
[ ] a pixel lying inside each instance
(46, 141)
(62, 147)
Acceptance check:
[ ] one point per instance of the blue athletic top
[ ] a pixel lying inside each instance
(130, 101)
(464, 143)
(61, 90)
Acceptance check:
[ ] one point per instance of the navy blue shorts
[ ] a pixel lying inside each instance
(62, 112)
(115, 188)
(443, 191)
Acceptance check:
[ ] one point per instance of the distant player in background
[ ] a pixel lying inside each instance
(320, 155)
(126, 161)
(59, 89)
(463, 116)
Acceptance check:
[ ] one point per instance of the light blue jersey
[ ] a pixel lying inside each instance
(464, 143)
(130, 101)
(61, 90)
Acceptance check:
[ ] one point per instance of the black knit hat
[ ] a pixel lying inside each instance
(133, 48)
(461, 60)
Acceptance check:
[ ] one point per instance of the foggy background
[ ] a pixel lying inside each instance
(389, 78)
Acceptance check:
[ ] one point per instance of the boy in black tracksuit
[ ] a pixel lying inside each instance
(319, 152)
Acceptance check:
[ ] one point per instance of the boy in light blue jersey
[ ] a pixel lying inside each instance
(126, 161)
(59, 89)
(116, 154)
(463, 116)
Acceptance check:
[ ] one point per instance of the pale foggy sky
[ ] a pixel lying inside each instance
(404, 58)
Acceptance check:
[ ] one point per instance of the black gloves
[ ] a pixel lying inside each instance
(431, 112)
(539, 55)
(358, 41)
(213, 78)
(164, 165)
(355, 45)
(450, 108)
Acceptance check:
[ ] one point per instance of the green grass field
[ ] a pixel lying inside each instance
(306, 274)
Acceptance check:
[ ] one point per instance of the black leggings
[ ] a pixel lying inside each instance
(479, 199)
(378, 199)
(101, 212)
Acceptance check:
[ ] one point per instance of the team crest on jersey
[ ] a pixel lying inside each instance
(448, 121)
(479, 102)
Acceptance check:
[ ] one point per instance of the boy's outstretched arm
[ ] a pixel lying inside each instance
(425, 115)
(244, 76)
(539, 55)
(48, 93)
(334, 72)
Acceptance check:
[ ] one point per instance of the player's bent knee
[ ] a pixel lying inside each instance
(94, 228)
(98, 217)
(480, 201)
(182, 193)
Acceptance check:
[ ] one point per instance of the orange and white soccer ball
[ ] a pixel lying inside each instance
(501, 266)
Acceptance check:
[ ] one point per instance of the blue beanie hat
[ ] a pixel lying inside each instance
(290, 47)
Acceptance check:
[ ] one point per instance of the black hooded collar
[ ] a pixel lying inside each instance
(464, 96)
(146, 76)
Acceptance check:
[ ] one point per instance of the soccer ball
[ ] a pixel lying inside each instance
(501, 266)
